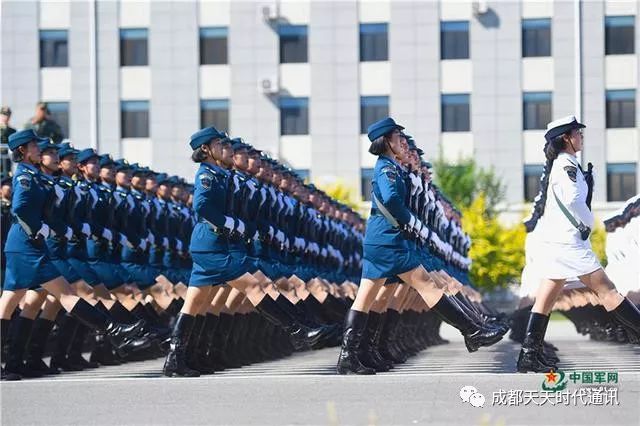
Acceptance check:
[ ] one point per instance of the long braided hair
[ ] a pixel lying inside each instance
(551, 149)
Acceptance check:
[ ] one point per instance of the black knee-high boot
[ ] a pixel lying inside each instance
(176, 362)
(37, 344)
(368, 352)
(628, 315)
(530, 358)
(19, 333)
(301, 337)
(66, 329)
(124, 338)
(354, 327)
(196, 339)
(77, 346)
(475, 335)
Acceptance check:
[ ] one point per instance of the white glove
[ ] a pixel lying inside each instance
(44, 230)
(228, 223)
(59, 195)
(286, 244)
(151, 238)
(86, 229)
(418, 226)
(69, 233)
(412, 221)
(240, 227)
(179, 245)
(123, 240)
(280, 237)
(424, 233)
(106, 234)
(256, 236)
(271, 231)
(143, 244)
(165, 242)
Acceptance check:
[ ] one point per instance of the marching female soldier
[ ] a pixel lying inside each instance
(563, 221)
(28, 263)
(388, 253)
(212, 262)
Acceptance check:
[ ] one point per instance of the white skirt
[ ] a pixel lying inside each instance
(560, 261)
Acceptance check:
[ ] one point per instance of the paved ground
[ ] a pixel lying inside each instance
(304, 390)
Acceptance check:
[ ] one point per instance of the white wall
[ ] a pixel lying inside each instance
(295, 79)
(456, 76)
(533, 143)
(55, 14)
(621, 71)
(622, 145)
(55, 84)
(456, 146)
(135, 83)
(135, 13)
(375, 78)
(296, 151)
(215, 82)
(537, 74)
(214, 13)
(374, 11)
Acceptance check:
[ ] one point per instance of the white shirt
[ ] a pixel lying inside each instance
(567, 182)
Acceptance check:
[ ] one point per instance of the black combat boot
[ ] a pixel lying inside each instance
(19, 333)
(77, 346)
(530, 358)
(124, 338)
(354, 327)
(475, 335)
(301, 336)
(35, 351)
(176, 362)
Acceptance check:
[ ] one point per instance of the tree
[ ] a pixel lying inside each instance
(464, 181)
(497, 251)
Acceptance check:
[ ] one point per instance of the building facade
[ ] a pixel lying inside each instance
(302, 79)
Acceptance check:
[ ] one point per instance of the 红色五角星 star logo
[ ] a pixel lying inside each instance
(554, 381)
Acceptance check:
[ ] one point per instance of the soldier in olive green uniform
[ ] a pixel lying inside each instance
(44, 125)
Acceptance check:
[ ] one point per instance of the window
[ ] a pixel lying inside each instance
(214, 113)
(621, 181)
(54, 50)
(455, 113)
(532, 175)
(372, 109)
(294, 116)
(213, 46)
(303, 173)
(293, 43)
(134, 119)
(619, 35)
(454, 40)
(366, 179)
(60, 114)
(536, 37)
(536, 110)
(621, 108)
(374, 42)
(133, 47)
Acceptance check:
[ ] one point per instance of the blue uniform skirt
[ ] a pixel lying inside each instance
(384, 261)
(28, 269)
(107, 273)
(216, 268)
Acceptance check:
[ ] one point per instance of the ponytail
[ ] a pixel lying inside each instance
(551, 150)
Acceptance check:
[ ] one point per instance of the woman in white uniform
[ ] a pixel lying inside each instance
(563, 248)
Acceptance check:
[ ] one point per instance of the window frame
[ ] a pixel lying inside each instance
(458, 52)
(454, 99)
(135, 35)
(372, 101)
(50, 38)
(289, 34)
(380, 53)
(616, 22)
(621, 171)
(214, 105)
(530, 171)
(135, 106)
(291, 104)
(539, 100)
(536, 25)
(617, 100)
(213, 34)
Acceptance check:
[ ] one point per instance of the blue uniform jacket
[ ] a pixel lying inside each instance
(211, 188)
(389, 187)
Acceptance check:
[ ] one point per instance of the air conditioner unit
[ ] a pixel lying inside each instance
(480, 7)
(269, 85)
(270, 11)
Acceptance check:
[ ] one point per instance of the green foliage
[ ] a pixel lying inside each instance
(340, 191)
(497, 251)
(463, 182)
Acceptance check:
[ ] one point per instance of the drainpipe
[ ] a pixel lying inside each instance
(93, 76)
